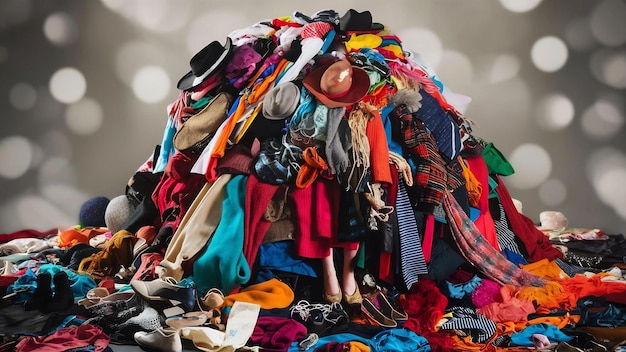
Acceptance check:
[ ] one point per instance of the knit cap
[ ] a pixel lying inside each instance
(117, 212)
(92, 212)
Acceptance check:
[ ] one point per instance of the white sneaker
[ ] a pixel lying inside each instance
(163, 339)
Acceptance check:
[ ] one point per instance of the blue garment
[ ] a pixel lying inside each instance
(339, 338)
(444, 129)
(79, 283)
(400, 340)
(279, 256)
(167, 146)
(552, 332)
(393, 146)
(222, 264)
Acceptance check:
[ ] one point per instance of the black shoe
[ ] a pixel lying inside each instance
(63, 296)
(42, 295)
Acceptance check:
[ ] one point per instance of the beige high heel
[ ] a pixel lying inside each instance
(354, 298)
(336, 298)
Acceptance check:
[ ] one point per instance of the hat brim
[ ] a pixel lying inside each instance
(190, 81)
(359, 88)
(203, 125)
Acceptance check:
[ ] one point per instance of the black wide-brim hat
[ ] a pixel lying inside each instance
(206, 63)
(354, 21)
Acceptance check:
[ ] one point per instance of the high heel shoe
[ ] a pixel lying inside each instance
(354, 298)
(336, 298)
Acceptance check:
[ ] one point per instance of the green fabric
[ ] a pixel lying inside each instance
(492, 188)
(496, 162)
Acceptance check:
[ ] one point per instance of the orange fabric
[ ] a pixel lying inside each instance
(546, 297)
(313, 165)
(379, 150)
(546, 269)
(581, 286)
(558, 321)
(251, 95)
(269, 294)
(70, 237)
(474, 187)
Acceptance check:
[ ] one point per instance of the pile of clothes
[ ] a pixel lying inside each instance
(290, 138)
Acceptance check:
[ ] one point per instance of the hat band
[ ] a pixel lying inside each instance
(335, 96)
(198, 79)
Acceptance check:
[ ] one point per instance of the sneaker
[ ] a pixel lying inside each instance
(319, 318)
(308, 341)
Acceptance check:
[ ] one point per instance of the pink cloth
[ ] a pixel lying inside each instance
(66, 339)
(510, 309)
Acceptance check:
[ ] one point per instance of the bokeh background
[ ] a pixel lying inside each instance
(84, 89)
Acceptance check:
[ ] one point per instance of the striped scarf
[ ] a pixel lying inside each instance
(480, 253)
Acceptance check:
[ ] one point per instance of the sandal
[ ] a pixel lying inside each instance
(187, 319)
(214, 298)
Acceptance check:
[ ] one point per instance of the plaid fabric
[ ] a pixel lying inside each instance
(431, 176)
(480, 253)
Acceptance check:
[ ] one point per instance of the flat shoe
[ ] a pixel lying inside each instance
(163, 339)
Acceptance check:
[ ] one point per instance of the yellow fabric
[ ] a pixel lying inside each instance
(356, 346)
(357, 42)
(396, 49)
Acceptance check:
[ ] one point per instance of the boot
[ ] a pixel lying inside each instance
(63, 296)
(42, 295)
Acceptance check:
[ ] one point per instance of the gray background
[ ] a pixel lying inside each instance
(84, 89)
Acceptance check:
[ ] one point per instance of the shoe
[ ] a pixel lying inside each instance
(336, 298)
(163, 339)
(118, 306)
(214, 298)
(308, 341)
(43, 293)
(354, 298)
(167, 291)
(188, 319)
(375, 317)
(93, 296)
(383, 303)
(319, 318)
(63, 296)
(566, 347)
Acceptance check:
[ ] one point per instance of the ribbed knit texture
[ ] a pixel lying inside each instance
(379, 151)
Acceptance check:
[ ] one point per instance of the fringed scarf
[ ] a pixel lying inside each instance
(482, 255)
(357, 121)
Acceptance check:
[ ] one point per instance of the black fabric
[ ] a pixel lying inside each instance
(146, 213)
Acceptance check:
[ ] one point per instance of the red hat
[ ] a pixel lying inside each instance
(337, 84)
